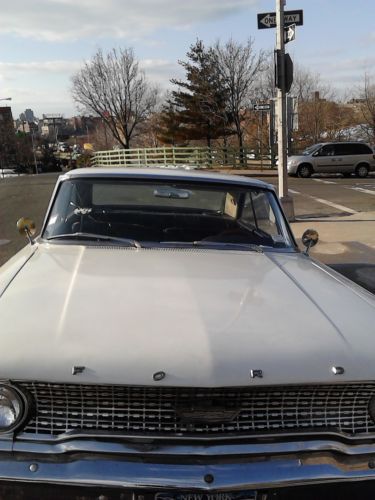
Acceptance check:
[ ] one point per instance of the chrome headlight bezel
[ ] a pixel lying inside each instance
(23, 404)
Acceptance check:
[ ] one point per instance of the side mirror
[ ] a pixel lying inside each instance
(310, 238)
(26, 226)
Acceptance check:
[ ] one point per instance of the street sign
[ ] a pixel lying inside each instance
(288, 70)
(289, 33)
(262, 107)
(268, 20)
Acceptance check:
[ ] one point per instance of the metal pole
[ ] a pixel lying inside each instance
(32, 142)
(272, 132)
(285, 199)
(261, 141)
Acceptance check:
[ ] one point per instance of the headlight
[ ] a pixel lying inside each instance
(12, 408)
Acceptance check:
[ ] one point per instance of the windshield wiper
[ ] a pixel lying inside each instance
(97, 237)
(248, 246)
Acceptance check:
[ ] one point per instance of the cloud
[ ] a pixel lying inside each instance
(158, 70)
(59, 20)
(45, 85)
(161, 71)
(343, 73)
(39, 67)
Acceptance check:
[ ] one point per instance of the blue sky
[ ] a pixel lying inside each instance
(43, 42)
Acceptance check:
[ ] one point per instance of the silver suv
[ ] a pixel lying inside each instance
(333, 157)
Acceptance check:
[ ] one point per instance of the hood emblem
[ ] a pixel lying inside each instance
(78, 369)
(158, 376)
(338, 370)
(256, 373)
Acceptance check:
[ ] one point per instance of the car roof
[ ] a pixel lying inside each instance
(165, 173)
(342, 142)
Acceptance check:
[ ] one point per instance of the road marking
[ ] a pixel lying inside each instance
(367, 191)
(334, 205)
(324, 182)
(4, 242)
(326, 202)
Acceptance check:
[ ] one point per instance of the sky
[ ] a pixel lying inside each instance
(44, 42)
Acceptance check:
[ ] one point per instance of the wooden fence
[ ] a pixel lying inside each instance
(183, 156)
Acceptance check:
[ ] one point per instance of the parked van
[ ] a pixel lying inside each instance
(333, 157)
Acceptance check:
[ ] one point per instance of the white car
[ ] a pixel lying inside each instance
(164, 335)
(333, 158)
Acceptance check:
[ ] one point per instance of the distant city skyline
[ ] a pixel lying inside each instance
(44, 42)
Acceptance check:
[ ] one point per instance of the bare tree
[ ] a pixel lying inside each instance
(306, 84)
(367, 108)
(239, 66)
(113, 87)
(264, 88)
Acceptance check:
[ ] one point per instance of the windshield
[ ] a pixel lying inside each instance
(311, 149)
(165, 213)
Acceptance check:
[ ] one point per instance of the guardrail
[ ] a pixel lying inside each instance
(186, 156)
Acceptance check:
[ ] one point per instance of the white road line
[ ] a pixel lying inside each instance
(325, 202)
(361, 190)
(334, 205)
(324, 182)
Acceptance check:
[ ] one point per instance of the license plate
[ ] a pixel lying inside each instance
(186, 495)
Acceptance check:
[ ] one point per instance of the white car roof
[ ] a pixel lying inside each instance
(165, 173)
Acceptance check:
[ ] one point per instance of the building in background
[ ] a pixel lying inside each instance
(29, 115)
(51, 125)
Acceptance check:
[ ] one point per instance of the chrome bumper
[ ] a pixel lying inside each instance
(257, 474)
(220, 467)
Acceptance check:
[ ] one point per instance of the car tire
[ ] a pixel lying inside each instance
(362, 170)
(304, 171)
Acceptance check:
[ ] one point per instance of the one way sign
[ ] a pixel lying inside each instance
(268, 20)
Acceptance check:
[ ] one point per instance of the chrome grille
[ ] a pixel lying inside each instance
(60, 408)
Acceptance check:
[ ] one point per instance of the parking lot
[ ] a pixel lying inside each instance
(330, 196)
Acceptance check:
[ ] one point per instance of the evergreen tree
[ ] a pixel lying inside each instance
(199, 103)
(171, 130)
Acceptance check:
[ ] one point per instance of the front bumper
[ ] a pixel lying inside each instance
(265, 472)
(292, 169)
(224, 467)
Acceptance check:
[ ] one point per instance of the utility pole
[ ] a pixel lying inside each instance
(285, 199)
(33, 146)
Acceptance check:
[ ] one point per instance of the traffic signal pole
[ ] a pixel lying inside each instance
(285, 199)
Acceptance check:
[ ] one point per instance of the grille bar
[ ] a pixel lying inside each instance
(60, 408)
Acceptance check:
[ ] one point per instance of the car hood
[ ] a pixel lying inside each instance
(204, 317)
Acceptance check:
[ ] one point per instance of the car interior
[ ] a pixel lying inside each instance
(228, 217)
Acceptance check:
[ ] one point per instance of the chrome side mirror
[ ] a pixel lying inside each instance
(26, 226)
(310, 238)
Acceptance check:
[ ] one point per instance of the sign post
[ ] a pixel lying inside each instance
(285, 199)
(285, 22)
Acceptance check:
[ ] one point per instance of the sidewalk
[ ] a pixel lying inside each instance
(247, 172)
(341, 239)
(347, 244)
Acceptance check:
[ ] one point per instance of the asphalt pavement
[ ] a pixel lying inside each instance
(342, 210)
